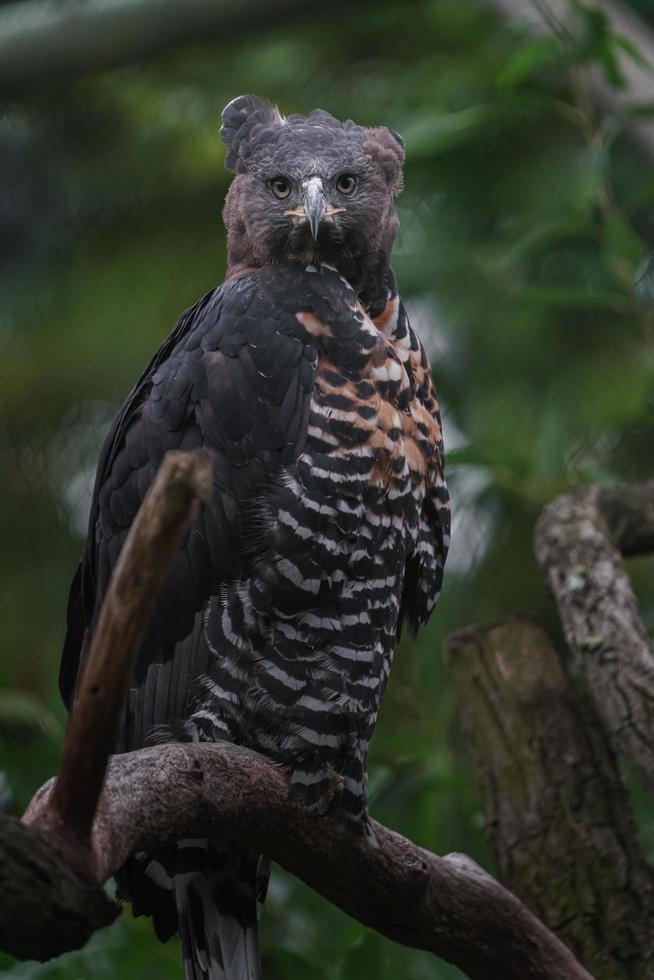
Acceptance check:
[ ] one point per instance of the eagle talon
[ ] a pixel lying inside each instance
(371, 836)
(319, 798)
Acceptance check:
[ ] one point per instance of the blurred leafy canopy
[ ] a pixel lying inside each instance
(524, 257)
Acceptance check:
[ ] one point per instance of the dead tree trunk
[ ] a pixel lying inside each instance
(557, 814)
(546, 755)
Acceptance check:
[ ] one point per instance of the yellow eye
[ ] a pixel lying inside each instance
(346, 184)
(281, 187)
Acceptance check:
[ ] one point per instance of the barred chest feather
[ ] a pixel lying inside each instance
(303, 645)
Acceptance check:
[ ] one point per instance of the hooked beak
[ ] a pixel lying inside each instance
(315, 205)
(314, 208)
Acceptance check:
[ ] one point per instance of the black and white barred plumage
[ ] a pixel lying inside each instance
(329, 524)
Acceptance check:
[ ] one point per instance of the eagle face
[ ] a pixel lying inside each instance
(307, 188)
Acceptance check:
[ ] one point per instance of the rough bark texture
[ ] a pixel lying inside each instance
(183, 481)
(447, 905)
(628, 513)
(48, 903)
(575, 547)
(557, 815)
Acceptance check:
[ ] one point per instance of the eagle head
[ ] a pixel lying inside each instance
(308, 187)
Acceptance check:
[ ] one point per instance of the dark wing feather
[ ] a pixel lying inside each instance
(84, 587)
(234, 377)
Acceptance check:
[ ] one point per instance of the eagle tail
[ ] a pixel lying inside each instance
(211, 894)
(215, 944)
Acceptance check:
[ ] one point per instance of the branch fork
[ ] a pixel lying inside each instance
(81, 827)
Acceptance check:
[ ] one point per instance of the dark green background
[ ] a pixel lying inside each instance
(523, 257)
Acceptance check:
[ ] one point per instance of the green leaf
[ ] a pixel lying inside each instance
(632, 52)
(22, 716)
(597, 26)
(609, 62)
(626, 249)
(523, 62)
(434, 134)
(601, 43)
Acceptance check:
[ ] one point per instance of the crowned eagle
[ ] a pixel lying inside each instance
(302, 380)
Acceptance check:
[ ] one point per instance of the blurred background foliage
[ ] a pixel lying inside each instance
(524, 259)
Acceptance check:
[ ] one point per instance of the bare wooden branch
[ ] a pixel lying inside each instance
(447, 905)
(557, 814)
(49, 901)
(628, 513)
(41, 41)
(599, 612)
(163, 520)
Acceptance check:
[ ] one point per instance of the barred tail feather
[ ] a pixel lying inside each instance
(215, 946)
(197, 932)
(214, 893)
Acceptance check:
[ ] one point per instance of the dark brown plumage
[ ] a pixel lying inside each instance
(303, 381)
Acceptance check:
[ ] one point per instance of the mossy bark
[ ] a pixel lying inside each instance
(580, 540)
(557, 814)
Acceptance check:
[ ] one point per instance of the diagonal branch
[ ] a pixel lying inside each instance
(42, 42)
(578, 538)
(164, 518)
(447, 905)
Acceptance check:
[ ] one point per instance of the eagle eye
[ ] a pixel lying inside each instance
(346, 184)
(281, 187)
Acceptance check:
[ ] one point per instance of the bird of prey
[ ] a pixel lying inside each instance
(302, 380)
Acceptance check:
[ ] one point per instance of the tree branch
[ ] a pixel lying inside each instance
(50, 903)
(576, 540)
(164, 518)
(448, 906)
(46, 42)
(557, 814)
(628, 514)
